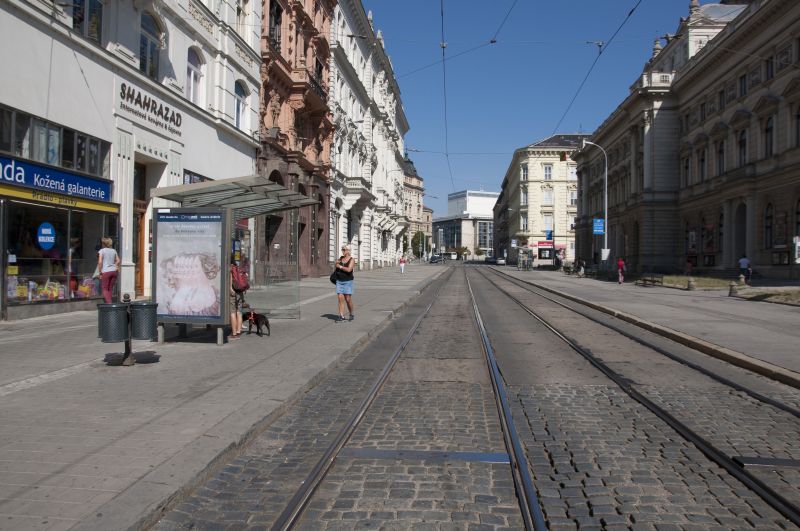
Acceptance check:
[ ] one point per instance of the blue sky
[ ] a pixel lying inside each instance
(506, 95)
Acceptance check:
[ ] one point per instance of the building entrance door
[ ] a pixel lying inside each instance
(138, 226)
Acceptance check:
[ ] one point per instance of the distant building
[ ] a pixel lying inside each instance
(538, 201)
(469, 223)
(413, 196)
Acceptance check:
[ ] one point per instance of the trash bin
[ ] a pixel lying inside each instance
(112, 319)
(143, 320)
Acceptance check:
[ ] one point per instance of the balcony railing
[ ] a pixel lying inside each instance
(316, 86)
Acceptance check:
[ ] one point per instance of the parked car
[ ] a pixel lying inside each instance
(501, 261)
(491, 260)
(435, 259)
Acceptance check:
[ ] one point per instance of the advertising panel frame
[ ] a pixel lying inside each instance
(168, 273)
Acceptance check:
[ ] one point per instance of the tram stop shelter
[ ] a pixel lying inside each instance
(274, 283)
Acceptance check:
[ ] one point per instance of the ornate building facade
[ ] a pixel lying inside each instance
(296, 134)
(538, 203)
(413, 197)
(368, 166)
(660, 142)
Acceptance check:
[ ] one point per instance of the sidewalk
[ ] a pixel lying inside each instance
(86, 445)
(764, 334)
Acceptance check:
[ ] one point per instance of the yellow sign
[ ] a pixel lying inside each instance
(13, 270)
(57, 199)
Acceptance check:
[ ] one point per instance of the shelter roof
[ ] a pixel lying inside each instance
(248, 196)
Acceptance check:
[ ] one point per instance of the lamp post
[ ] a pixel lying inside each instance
(606, 250)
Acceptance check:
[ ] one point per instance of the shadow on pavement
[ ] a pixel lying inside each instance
(145, 356)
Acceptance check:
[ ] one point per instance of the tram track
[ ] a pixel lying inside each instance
(531, 512)
(775, 499)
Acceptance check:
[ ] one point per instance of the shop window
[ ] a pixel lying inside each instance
(46, 142)
(68, 149)
(194, 73)
(80, 152)
(6, 129)
(22, 135)
(54, 252)
(149, 44)
(87, 19)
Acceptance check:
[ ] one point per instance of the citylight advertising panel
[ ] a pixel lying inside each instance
(190, 265)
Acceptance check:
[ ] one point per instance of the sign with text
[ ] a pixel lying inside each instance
(22, 173)
(598, 226)
(190, 266)
(145, 108)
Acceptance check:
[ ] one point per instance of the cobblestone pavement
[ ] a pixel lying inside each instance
(602, 460)
(449, 410)
(730, 420)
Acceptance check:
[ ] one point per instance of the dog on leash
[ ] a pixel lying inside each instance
(259, 319)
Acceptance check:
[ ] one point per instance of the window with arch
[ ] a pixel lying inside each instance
(149, 44)
(240, 105)
(768, 220)
(769, 137)
(194, 75)
(742, 147)
(720, 157)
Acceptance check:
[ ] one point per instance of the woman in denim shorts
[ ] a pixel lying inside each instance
(344, 283)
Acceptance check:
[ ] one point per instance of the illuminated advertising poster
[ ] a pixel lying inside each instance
(189, 265)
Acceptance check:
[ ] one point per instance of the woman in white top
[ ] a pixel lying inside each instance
(108, 264)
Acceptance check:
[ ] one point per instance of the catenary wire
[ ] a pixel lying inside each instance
(594, 63)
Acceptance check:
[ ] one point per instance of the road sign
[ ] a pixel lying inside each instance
(598, 226)
(513, 244)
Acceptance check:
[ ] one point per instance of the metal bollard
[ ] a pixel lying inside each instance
(732, 291)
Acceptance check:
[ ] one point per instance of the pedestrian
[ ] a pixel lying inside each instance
(621, 270)
(581, 271)
(744, 263)
(344, 283)
(402, 265)
(748, 275)
(237, 303)
(108, 264)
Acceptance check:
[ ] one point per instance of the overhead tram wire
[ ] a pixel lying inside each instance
(601, 49)
(443, 45)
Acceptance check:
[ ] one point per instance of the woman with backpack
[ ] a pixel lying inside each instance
(344, 283)
(238, 287)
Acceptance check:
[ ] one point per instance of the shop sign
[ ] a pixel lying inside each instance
(548, 243)
(46, 236)
(19, 173)
(136, 103)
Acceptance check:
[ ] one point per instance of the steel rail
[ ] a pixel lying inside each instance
(526, 493)
(294, 509)
(775, 500)
(708, 372)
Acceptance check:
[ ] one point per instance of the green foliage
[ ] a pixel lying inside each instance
(416, 243)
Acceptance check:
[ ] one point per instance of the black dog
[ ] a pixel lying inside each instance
(259, 319)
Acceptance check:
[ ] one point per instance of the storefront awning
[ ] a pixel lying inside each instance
(248, 196)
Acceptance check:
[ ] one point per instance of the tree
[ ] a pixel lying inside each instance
(478, 251)
(416, 243)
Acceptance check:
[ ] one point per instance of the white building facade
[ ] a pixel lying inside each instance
(367, 157)
(469, 224)
(112, 99)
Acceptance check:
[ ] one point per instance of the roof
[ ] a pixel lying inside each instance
(562, 141)
(248, 196)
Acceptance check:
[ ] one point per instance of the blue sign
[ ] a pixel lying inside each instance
(598, 226)
(20, 173)
(46, 236)
(548, 235)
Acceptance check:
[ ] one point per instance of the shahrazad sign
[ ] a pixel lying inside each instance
(144, 107)
(190, 267)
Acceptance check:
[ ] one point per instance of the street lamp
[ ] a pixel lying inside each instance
(606, 250)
